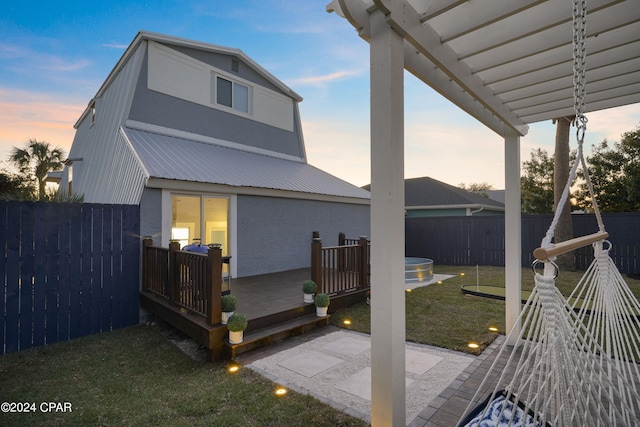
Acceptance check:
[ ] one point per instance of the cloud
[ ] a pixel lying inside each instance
(321, 80)
(37, 115)
(25, 60)
(115, 45)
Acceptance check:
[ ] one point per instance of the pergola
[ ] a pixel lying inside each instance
(506, 63)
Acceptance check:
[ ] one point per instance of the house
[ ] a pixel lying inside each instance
(427, 197)
(210, 145)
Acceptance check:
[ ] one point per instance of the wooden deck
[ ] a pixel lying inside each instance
(273, 304)
(267, 294)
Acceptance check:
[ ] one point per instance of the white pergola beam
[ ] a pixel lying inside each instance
(406, 21)
(388, 405)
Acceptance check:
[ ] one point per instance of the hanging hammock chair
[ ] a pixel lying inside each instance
(573, 361)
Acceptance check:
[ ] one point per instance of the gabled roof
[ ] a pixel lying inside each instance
(171, 157)
(177, 41)
(427, 192)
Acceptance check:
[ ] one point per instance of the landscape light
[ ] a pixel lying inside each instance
(493, 329)
(281, 391)
(473, 345)
(233, 369)
(346, 322)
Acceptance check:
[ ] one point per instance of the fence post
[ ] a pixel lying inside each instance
(316, 261)
(214, 286)
(172, 279)
(146, 276)
(341, 238)
(363, 265)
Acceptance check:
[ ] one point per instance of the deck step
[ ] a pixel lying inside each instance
(267, 336)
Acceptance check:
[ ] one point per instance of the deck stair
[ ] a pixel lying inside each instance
(270, 334)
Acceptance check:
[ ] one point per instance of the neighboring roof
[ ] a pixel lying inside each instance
(182, 159)
(177, 41)
(497, 195)
(430, 193)
(510, 63)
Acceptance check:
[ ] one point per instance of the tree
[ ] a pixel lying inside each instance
(37, 159)
(536, 183)
(480, 188)
(615, 174)
(14, 187)
(561, 172)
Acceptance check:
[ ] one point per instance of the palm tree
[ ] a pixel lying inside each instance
(36, 160)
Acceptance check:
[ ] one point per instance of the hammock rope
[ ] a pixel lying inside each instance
(573, 363)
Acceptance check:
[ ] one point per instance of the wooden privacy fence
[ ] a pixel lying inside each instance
(480, 240)
(68, 270)
(190, 280)
(340, 269)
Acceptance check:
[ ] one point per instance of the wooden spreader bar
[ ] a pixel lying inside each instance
(543, 254)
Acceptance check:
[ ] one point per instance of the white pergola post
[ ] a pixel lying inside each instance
(387, 225)
(513, 234)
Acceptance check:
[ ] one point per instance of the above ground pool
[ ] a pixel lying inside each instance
(418, 269)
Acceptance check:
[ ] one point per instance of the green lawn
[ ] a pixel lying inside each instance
(136, 377)
(442, 316)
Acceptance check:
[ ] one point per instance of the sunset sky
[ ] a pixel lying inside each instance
(54, 57)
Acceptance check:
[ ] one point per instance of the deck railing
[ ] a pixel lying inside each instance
(190, 280)
(340, 269)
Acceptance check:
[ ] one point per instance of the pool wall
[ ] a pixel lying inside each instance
(418, 269)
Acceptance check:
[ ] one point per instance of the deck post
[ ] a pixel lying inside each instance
(316, 261)
(214, 286)
(363, 262)
(146, 242)
(173, 282)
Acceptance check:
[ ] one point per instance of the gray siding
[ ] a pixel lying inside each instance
(163, 110)
(151, 215)
(274, 234)
(223, 62)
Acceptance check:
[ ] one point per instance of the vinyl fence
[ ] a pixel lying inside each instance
(480, 240)
(68, 270)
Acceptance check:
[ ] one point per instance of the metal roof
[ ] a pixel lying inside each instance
(175, 158)
(425, 192)
(510, 63)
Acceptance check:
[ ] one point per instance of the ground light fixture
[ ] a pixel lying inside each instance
(346, 322)
(281, 391)
(233, 369)
(473, 345)
(493, 329)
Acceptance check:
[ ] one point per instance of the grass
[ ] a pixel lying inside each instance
(136, 377)
(441, 315)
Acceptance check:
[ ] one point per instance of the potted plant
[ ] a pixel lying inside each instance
(229, 304)
(236, 324)
(322, 304)
(309, 288)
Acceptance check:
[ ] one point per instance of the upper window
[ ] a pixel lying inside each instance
(232, 94)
